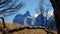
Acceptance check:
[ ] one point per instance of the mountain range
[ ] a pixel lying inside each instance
(34, 20)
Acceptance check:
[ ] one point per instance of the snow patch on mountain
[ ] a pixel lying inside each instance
(35, 15)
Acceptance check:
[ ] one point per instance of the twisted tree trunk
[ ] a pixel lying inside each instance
(56, 6)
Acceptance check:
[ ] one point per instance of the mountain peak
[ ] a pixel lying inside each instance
(27, 14)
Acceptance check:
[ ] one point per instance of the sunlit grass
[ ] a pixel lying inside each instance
(25, 31)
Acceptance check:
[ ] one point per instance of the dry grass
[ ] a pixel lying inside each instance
(25, 31)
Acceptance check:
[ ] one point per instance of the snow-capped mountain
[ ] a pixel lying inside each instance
(32, 20)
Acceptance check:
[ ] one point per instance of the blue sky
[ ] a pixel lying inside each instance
(30, 5)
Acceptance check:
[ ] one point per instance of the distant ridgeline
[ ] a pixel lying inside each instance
(28, 20)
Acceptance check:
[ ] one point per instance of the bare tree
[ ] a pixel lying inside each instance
(46, 16)
(7, 7)
(56, 6)
(41, 10)
(44, 11)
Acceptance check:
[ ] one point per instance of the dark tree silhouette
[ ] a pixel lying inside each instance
(56, 6)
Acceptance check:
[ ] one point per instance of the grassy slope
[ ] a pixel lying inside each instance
(25, 31)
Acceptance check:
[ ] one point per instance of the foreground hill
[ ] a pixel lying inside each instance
(24, 31)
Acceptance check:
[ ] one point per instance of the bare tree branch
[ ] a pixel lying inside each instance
(15, 8)
(3, 2)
